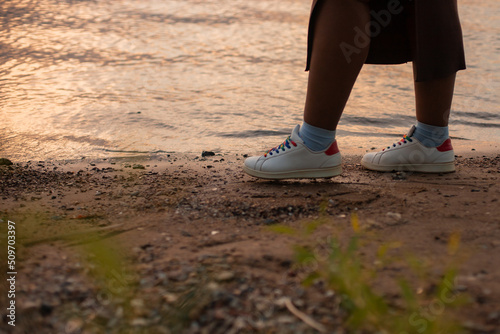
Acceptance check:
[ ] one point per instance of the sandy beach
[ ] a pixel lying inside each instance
(190, 244)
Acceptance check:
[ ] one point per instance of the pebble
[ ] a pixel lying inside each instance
(286, 319)
(31, 305)
(399, 176)
(138, 166)
(394, 215)
(224, 276)
(280, 302)
(170, 298)
(494, 315)
(45, 310)
(5, 162)
(137, 303)
(139, 322)
(74, 325)
(212, 286)
(207, 154)
(270, 221)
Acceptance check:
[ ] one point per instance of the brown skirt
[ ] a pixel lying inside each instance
(427, 32)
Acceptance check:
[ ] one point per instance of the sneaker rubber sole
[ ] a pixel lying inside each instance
(296, 174)
(446, 167)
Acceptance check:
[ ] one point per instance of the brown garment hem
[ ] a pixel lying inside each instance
(426, 32)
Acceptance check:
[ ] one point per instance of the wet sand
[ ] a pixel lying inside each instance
(194, 231)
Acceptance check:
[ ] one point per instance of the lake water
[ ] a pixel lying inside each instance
(113, 78)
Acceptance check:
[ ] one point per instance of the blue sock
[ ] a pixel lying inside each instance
(316, 139)
(430, 135)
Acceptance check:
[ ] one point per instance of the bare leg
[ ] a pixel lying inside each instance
(433, 100)
(332, 75)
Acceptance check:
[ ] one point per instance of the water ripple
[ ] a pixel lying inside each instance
(88, 77)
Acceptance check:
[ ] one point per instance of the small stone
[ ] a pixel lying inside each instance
(239, 323)
(170, 298)
(212, 286)
(46, 310)
(207, 154)
(137, 303)
(286, 319)
(178, 276)
(474, 326)
(281, 302)
(138, 166)
(224, 276)
(494, 315)
(220, 314)
(5, 162)
(74, 325)
(399, 176)
(270, 221)
(394, 215)
(30, 305)
(139, 322)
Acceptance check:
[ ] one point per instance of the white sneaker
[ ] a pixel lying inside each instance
(410, 155)
(293, 160)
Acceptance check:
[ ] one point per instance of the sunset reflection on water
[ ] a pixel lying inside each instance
(106, 78)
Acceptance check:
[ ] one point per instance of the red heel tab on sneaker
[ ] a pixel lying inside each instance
(446, 146)
(333, 149)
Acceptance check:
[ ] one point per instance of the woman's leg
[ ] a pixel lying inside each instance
(432, 151)
(311, 150)
(332, 74)
(433, 104)
(433, 100)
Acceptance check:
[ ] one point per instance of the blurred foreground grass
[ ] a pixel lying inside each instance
(352, 269)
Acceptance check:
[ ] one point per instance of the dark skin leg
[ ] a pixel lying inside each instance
(433, 100)
(332, 75)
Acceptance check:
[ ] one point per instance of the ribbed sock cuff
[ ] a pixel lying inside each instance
(431, 135)
(316, 139)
